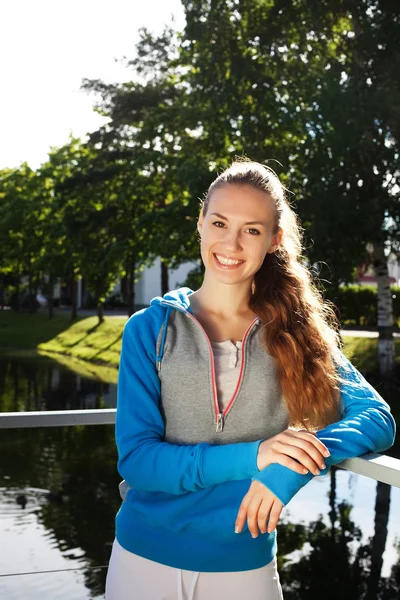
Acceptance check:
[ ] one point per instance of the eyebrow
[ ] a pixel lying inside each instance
(248, 223)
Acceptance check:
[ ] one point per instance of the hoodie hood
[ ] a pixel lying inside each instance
(178, 299)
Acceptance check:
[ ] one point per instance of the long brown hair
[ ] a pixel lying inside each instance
(300, 328)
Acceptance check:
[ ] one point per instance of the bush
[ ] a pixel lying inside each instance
(357, 305)
(115, 301)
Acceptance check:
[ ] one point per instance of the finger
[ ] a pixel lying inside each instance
(301, 454)
(274, 515)
(310, 437)
(290, 463)
(242, 514)
(302, 451)
(263, 514)
(252, 515)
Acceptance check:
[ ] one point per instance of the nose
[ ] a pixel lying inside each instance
(232, 241)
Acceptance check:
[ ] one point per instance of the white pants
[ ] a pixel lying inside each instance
(131, 577)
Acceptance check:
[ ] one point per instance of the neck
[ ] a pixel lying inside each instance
(219, 298)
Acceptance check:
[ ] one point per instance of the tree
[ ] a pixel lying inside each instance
(66, 229)
(148, 115)
(89, 216)
(351, 150)
(21, 228)
(303, 82)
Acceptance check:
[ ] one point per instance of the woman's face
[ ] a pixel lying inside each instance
(236, 232)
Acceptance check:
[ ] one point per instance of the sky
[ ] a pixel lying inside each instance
(46, 48)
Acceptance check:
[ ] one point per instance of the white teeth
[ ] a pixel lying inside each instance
(227, 261)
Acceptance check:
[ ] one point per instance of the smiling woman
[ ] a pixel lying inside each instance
(229, 240)
(230, 399)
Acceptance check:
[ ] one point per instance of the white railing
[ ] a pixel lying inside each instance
(376, 466)
(57, 418)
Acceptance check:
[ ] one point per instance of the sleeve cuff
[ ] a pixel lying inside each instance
(230, 462)
(283, 482)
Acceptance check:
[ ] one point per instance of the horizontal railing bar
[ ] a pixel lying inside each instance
(376, 466)
(57, 418)
(49, 572)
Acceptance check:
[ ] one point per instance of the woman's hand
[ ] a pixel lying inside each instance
(300, 451)
(258, 506)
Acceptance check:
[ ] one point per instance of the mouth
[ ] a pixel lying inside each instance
(225, 262)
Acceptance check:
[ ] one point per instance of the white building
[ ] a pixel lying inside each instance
(149, 284)
(147, 287)
(366, 275)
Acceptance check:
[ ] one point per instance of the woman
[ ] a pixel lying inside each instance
(231, 398)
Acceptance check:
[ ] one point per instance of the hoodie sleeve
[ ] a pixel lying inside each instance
(366, 426)
(145, 460)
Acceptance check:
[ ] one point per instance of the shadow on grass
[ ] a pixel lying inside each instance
(88, 332)
(28, 330)
(109, 345)
(93, 329)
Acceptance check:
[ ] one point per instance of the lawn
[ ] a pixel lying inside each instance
(89, 341)
(84, 339)
(26, 331)
(98, 344)
(363, 352)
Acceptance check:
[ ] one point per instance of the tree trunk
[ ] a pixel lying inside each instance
(50, 299)
(100, 312)
(124, 289)
(382, 506)
(1, 292)
(74, 298)
(17, 299)
(16, 387)
(32, 298)
(164, 278)
(130, 291)
(385, 313)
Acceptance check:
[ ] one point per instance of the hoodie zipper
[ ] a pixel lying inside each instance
(220, 416)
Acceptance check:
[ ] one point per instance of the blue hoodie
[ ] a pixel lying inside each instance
(189, 464)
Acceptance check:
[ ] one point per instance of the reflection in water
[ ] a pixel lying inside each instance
(339, 562)
(68, 480)
(43, 384)
(58, 499)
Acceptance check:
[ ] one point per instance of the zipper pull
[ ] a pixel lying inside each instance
(220, 422)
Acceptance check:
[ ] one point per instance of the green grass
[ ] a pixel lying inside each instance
(25, 331)
(363, 353)
(89, 341)
(85, 340)
(26, 334)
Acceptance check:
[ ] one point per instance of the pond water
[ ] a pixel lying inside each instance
(58, 499)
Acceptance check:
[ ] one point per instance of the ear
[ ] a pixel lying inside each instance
(276, 241)
(200, 222)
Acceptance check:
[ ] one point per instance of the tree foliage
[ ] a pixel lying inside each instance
(312, 85)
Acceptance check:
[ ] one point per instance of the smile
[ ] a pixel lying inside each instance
(228, 262)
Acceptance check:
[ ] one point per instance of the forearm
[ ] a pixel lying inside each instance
(367, 425)
(154, 465)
